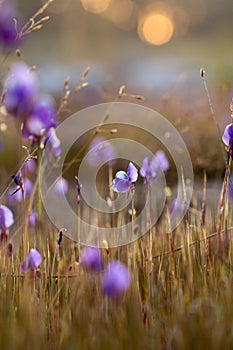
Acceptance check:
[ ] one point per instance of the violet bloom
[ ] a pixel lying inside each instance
(32, 261)
(29, 167)
(160, 161)
(53, 142)
(227, 137)
(8, 34)
(147, 170)
(123, 181)
(60, 187)
(6, 218)
(42, 117)
(116, 279)
(17, 196)
(100, 152)
(21, 86)
(91, 259)
(33, 218)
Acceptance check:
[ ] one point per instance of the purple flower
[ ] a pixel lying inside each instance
(33, 218)
(53, 142)
(147, 171)
(17, 196)
(91, 259)
(122, 182)
(29, 167)
(8, 34)
(21, 86)
(227, 136)
(6, 218)
(100, 152)
(32, 261)
(60, 187)
(41, 118)
(160, 161)
(116, 279)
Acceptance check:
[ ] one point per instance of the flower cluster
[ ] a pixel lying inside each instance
(8, 34)
(115, 279)
(124, 182)
(35, 112)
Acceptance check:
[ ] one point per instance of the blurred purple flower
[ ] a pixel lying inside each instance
(123, 181)
(91, 259)
(116, 279)
(29, 167)
(60, 187)
(160, 162)
(8, 34)
(100, 152)
(33, 218)
(41, 119)
(17, 197)
(147, 171)
(32, 261)
(53, 142)
(21, 86)
(227, 136)
(6, 218)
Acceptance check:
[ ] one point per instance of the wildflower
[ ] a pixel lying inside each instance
(227, 137)
(100, 152)
(29, 167)
(147, 171)
(123, 181)
(116, 279)
(160, 161)
(32, 261)
(17, 195)
(33, 218)
(6, 219)
(21, 86)
(8, 34)
(91, 259)
(41, 118)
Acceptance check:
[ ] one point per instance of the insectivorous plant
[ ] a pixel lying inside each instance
(116, 279)
(32, 261)
(123, 181)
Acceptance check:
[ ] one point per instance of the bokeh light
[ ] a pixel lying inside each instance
(156, 27)
(123, 13)
(95, 6)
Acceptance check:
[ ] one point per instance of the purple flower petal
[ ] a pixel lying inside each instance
(6, 217)
(160, 161)
(132, 172)
(227, 136)
(54, 142)
(121, 175)
(147, 170)
(33, 218)
(91, 259)
(21, 86)
(41, 118)
(8, 33)
(17, 197)
(121, 185)
(116, 279)
(32, 261)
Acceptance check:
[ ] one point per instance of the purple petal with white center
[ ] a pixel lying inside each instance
(121, 175)
(121, 185)
(132, 172)
(6, 217)
(227, 136)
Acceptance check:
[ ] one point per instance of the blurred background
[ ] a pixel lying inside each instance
(155, 48)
